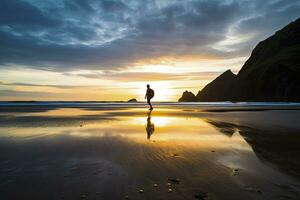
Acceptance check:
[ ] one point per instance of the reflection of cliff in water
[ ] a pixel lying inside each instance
(279, 147)
(224, 127)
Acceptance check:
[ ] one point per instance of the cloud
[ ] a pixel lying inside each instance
(18, 13)
(43, 86)
(149, 76)
(273, 16)
(107, 35)
(23, 94)
(2, 83)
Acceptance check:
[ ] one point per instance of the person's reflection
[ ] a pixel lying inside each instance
(149, 125)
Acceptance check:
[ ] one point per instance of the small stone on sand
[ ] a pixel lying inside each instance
(170, 190)
(174, 180)
(169, 184)
(235, 172)
(259, 191)
(251, 189)
(155, 185)
(141, 191)
(201, 195)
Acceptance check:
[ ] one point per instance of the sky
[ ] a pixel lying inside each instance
(110, 49)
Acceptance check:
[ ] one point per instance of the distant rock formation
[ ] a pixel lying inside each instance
(132, 101)
(188, 97)
(219, 89)
(272, 73)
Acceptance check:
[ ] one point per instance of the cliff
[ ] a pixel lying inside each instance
(272, 72)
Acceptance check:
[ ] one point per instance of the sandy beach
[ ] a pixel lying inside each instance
(127, 152)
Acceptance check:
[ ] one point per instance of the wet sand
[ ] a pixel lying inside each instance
(130, 153)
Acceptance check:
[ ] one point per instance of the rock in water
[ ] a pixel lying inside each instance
(132, 101)
(188, 97)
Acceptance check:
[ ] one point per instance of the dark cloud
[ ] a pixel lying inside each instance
(20, 13)
(273, 16)
(113, 6)
(94, 34)
(79, 5)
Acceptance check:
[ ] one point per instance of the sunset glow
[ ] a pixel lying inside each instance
(110, 50)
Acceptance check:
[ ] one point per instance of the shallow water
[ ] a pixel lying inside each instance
(92, 153)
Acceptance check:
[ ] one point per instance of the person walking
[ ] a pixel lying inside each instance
(149, 95)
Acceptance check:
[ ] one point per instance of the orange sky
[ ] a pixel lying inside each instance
(168, 79)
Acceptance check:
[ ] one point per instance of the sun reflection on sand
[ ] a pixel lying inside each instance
(131, 124)
(103, 146)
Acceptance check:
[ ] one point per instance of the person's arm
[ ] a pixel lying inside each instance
(145, 95)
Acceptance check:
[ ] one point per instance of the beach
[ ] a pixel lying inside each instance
(124, 151)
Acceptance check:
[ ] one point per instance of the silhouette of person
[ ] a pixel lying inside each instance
(149, 126)
(149, 95)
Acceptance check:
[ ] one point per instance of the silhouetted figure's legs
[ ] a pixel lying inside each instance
(148, 101)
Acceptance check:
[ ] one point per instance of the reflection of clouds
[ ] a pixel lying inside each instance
(171, 127)
(112, 149)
